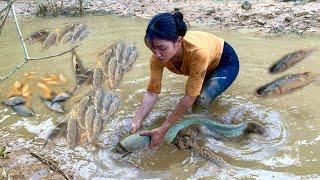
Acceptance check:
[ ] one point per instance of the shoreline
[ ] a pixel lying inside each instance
(268, 16)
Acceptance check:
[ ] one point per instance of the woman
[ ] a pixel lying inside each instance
(211, 64)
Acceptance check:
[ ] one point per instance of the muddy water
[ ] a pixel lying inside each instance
(291, 149)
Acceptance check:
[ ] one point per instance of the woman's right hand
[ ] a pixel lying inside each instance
(136, 124)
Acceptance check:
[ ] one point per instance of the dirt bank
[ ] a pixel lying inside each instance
(258, 16)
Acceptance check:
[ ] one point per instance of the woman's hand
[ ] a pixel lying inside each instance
(136, 124)
(156, 134)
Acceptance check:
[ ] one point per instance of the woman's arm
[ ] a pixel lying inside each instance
(157, 134)
(149, 100)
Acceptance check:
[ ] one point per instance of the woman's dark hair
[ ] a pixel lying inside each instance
(166, 26)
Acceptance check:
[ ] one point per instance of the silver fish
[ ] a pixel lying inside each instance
(132, 58)
(105, 58)
(66, 29)
(72, 132)
(97, 78)
(38, 36)
(80, 31)
(107, 101)
(89, 117)
(51, 39)
(287, 84)
(58, 131)
(111, 72)
(114, 106)
(16, 100)
(98, 99)
(97, 127)
(289, 60)
(66, 37)
(118, 75)
(119, 50)
(55, 106)
(61, 97)
(23, 110)
(81, 111)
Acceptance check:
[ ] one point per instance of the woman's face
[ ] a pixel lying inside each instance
(164, 50)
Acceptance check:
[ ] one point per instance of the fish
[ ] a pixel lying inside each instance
(46, 91)
(287, 84)
(29, 74)
(55, 106)
(38, 36)
(97, 127)
(58, 131)
(16, 89)
(111, 71)
(15, 100)
(89, 118)
(132, 58)
(120, 46)
(134, 142)
(80, 32)
(81, 111)
(118, 74)
(23, 110)
(104, 60)
(289, 60)
(97, 78)
(98, 99)
(78, 68)
(72, 133)
(107, 101)
(61, 97)
(114, 106)
(189, 142)
(66, 38)
(52, 39)
(69, 28)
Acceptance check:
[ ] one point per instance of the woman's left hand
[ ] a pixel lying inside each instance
(157, 136)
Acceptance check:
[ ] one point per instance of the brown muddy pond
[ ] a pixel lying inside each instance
(291, 149)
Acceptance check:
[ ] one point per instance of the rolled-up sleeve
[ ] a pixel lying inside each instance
(197, 72)
(156, 71)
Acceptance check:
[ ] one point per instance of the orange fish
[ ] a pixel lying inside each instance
(47, 92)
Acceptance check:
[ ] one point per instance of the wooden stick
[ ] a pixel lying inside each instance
(51, 165)
(55, 55)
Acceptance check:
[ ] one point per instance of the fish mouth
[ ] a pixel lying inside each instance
(120, 149)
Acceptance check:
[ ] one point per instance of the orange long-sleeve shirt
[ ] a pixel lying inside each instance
(201, 54)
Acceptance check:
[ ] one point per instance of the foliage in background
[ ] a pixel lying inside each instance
(54, 8)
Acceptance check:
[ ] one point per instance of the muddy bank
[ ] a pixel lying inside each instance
(257, 16)
(19, 164)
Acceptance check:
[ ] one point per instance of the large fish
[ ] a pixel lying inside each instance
(287, 84)
(23, 110)
(66, 29)
(38, 36)
(81, 111)
(15, 100)
(58, 131)
(72, 132)
(55, 106)
(52, 39)
(289, 60)
(135, 141)
(82, 74)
